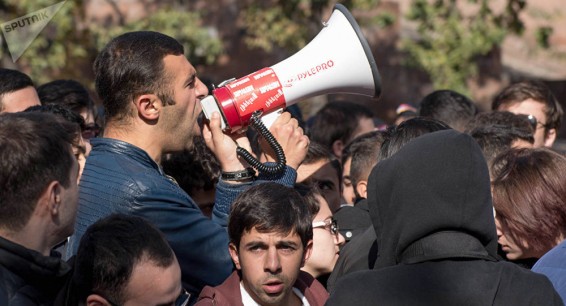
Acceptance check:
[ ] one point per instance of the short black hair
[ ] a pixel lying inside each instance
(193, 169)
(317, 152)
(130, 65)
(59, 110)
(68, 93)
(496, 131)
(12, 80)
(35, 150)
(309, 193)
(270, 207)
(337, 121)
(110, 249)
(365, 150)
(398, 136)
(448, 106)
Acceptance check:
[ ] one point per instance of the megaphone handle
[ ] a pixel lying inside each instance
(279, 166)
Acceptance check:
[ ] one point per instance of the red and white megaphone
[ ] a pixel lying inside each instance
(337, 60)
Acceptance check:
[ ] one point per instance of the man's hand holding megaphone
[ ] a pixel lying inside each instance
(224, 146)
(285, 129)
(292, 139)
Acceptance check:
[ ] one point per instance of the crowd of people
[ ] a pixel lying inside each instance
(152, 205)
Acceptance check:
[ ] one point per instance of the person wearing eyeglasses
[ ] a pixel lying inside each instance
(327, 239)
(271, 238)
(114, 267)
(535, 99)
(74, 96)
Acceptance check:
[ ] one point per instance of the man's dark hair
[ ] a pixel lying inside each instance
(131, 65)
(337, 121)
(270, 207)
(110, 249)
(12, 80)
(194, 169)
(67, 93)
(60, 110)
(309, 193)
(317, 152)
(398, 136)
(35, 150)
(496, 131)
(534, 90)
(448, 106)
(365, 150)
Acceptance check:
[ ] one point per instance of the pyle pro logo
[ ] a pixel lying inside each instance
(19, 33)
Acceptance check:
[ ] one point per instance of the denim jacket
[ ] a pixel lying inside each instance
(122, 178)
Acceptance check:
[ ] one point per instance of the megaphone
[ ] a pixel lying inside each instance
(337, 60)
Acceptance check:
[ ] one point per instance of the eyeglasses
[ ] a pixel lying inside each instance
(182, 300)
(90, 131)
(330, 224)
(534, 122)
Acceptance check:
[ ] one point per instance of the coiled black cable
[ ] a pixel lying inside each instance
(279, 166)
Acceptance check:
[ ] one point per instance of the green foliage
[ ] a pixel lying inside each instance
(543, 35)
(290, 24)
(384, 19)
(450, 40)
(68, 46)
(201, 47)
(273, 26)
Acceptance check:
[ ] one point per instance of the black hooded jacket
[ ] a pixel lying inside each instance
(431, 208)
(29, 278)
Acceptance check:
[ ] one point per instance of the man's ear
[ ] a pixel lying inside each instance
(549, 138)
(337, 147)
(234, 254)
(96, 300)
(148, 106)
(49, 201)
(362, 189)
(307, 253)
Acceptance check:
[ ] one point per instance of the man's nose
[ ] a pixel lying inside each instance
(272, 263)
(202, 90)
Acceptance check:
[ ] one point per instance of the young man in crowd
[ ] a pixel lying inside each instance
(38, 205)
(114, 267)
(536, 99)
(74, 96)
(151, 95)
(271, 232)
(338, 123)
(320, 168)
(448, 106)
(17, 91)
(363, 152)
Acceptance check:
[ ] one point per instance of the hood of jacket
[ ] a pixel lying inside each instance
(432, 200)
